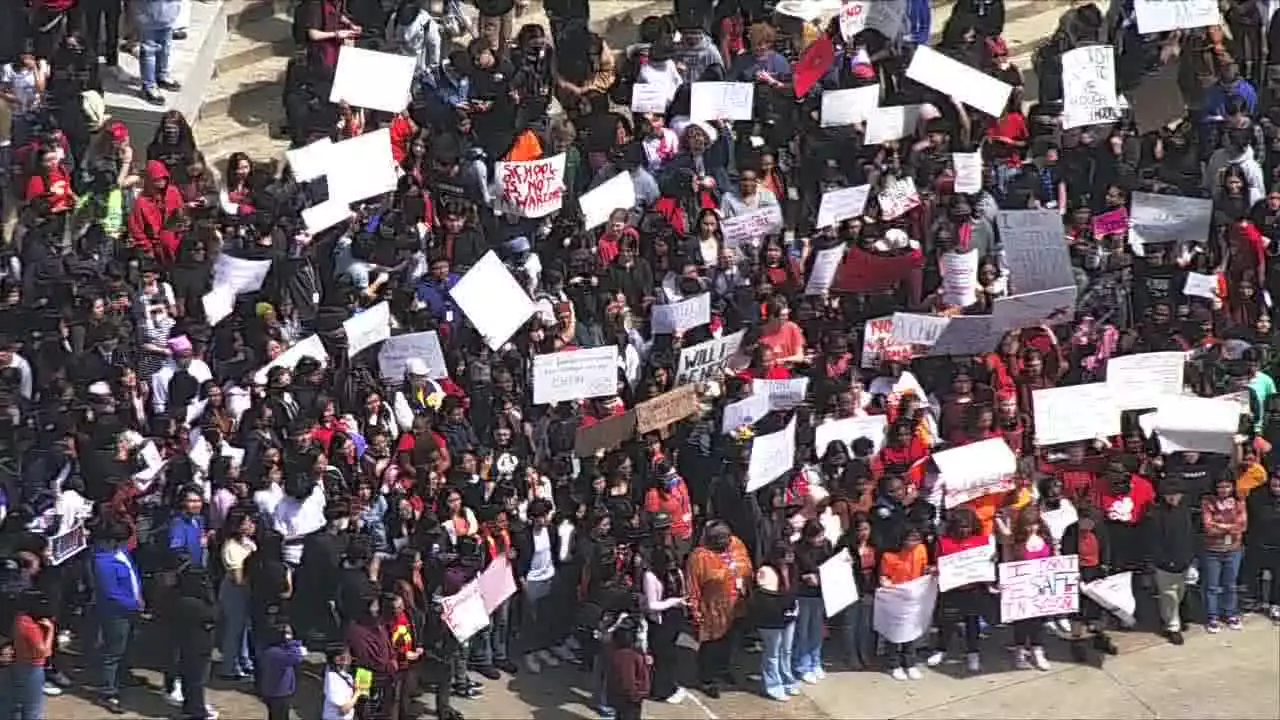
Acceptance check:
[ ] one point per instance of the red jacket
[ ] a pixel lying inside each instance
(154, 209)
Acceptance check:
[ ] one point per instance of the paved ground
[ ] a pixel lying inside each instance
(1233, 675)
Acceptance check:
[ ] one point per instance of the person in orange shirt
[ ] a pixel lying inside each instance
(897, 567)
(670, 494)
(33, 635)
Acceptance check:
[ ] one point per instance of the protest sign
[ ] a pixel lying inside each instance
(846, 107)
(968, 167)
(319, 218)
(721, 101)
(702, 361)
(464, 612)
(678, 317)
(605, 434)
(975, 470)
(892, 122)
(903, 613)
(967, 335)
(1142, 380)
(1159, 16)
(959, 272)
(497, 583)
(853, 18)
(1168, 218)
(955, 79)
(1115, 594)
(373, 80)
(898, 198)
(310, 346)
(1035, 250)
(667, 408)
(1077, 412)
(975, 565)
(1089, 86)
(650, 97)
(1201, 285)
(575, 374)
(218, 303)
(839, 588)
(368, 327)
(396, 351)
(772, 456)
(883, 16)
(309, 162)
(1187, 423)
(531, 188)
(916, 329)
(846, 430)
(782, 394)
(1034, 308)
(66, 545)
(744, 412)
(877, 338)
(1111, 223)
(750, 227)
(825, 264)
(361, 167)
(618, 192)
(239, 275)
(839, 205)
(492, 300)
(1039, 588)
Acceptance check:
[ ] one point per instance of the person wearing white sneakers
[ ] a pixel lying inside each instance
(537, 548)
(662, 599)
(910, 562)
(1027, 539)
(811, 552)
(961, 533)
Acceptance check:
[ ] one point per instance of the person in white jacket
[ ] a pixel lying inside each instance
(1236, 152)
(419, 393)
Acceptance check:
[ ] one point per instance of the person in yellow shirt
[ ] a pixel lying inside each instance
(1250, 473)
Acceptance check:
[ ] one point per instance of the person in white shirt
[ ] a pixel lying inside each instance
(536, 551)
(9, 358)
(182, 359)
(340, 695)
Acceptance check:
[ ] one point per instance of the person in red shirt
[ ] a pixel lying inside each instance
(33, 635)
(1124, 501)
(51, 183)
(962, 532)
(670, 494)
(156, 213)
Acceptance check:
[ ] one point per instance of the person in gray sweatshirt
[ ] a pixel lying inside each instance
(155, 21)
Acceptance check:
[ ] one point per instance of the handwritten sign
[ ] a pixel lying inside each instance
(672, 318)
(1143, 380)
(703, 361)
(749, 228)
(1111, 223)
(975, 470)
(968, 167)
(1089, 86)
(959, 272)
(782, 394)
(1201, 285)
(575, 374)
(1039, 588)
(1077, 412)
(497, 584)
(772, 455)
(1187, 423)
(745, 412)
(917, 329)
(67, 545)
(975, 565)
(531, 188)
(877, 339)
(721, 101)
(605, 434)
(823, 272)
(1035, 250)
(839, 587)
(396, 351)
(847, 107)
(898, 198)
(667, 408)
(650, 97)
(1034, 308)
(463, 613)
(1158, 16)
(842, 204)
(853, 18)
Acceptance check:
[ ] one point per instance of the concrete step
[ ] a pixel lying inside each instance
(247, 92)
(256, 39)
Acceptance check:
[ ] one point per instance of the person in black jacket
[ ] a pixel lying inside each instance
(194, 615)
(1087, 539)
(1262, 541)
(1170, 535)
(811, 552)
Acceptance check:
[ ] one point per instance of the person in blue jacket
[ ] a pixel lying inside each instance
(187, 528)
(117, 602)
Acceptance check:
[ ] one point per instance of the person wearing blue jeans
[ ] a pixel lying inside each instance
(773, 610)
(118, 589)
(1225, 521)
(811, 552)
(155, 20)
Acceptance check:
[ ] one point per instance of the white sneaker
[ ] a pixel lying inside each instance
(676, 697)
(810, 678)
(531, 663)
(175, 697)
(1275, 612)
(935, 659)
(210, 713)
(1063, 626)
(548, 659)
(64, 638)
(898, 674)
(1038, 659)
(914, 673)
(1020, 661)
(564, 652)
(51, 690)
(973, 662)
(820, 673)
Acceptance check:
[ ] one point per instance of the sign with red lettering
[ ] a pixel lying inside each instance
(1039, 588)
(531, 188)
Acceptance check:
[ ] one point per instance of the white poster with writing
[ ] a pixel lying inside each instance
(530, 188)
(1076, 412)
(463, 613)
(575, 375)
(839, 586)
(782, 394)
(721, 101)
(967, 567)
(1035, 250)
(959, 272)
(1089, 86)
(1158, 16)
(1187, 423)
(839, 205)
(373, 80)
(847, 107)
(955, 79)
(396, 351)
(705, 360)
(1143, 380)
(240, 275)
(1032, 309)
(917, 329)
(877, 337)
(772, 456)
(650, 97)
(968, 167)
(1168, 218)
(975, 470)
(1039, 588)
(903, 613)
(823, 272)
(1115, 594)
(678, 317)
(744, 412)
(898, 198)
(616, 193)
(492, 300)
(846, 430)
(363, 329)
(750, 228)
(1201, 285)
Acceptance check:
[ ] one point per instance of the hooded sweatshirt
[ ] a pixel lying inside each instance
(154, 209)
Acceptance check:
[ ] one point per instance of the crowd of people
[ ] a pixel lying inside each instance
(169, 473)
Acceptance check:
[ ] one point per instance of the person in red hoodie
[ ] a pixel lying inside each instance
(156, 213)
(1124, 500)
(51, 182)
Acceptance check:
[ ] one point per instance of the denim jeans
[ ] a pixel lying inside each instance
(234, 601)
(489, 646)
(859, 635)
(536, 628)
(113, 643)
(153, 54)
(1218, 573)
(775, 660)
(22, 693)
(809, 635)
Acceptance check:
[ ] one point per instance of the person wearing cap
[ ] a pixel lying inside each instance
(1169, 533)
(180, 360)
